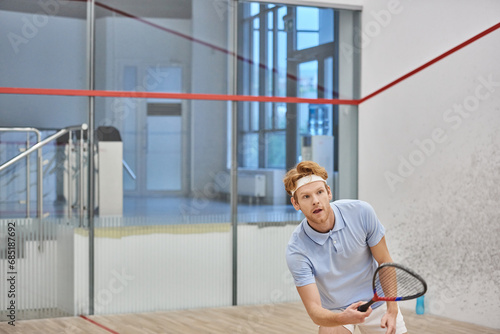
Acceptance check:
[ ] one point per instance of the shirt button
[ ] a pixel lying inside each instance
(334, 241)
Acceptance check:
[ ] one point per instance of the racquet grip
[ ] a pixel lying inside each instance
(364, 307)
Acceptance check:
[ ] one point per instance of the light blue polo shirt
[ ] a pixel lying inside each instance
(340, 261)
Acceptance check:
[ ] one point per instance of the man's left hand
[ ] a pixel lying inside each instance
(389, 321)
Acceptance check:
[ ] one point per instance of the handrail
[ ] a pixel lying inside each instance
(37, 147)
(128, 169)
(21, 130)
(41, 144)
(39, 166)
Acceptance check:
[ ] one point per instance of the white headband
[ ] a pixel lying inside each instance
(307, 179)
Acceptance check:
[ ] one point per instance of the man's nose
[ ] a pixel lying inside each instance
(315, 199)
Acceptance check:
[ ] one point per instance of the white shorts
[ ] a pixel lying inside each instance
(372, 323)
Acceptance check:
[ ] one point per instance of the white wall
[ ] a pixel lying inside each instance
(431, 171)
(171, 267)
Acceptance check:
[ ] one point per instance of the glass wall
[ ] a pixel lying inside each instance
(165, 216)
(43, 46)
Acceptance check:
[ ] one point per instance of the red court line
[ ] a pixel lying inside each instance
(98, 324)
(435, 60)
(182, 96)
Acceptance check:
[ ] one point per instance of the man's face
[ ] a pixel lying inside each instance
(313, 199)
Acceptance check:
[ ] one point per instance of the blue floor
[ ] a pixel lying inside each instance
(170, 210)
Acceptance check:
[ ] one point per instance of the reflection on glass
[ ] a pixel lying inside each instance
(307, 40)
(307, 27)
(308, 79)
(307, 18)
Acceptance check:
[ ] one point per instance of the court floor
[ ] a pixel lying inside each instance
(287, 318)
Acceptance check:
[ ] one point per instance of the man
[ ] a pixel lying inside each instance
(333, 255)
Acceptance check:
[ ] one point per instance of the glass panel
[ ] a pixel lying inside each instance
(309, 22)
(328, 84)
(307, 18)
(155, 221)
(280, 116)
(326, 26)
(180, 198)
(307, 40)
(245, 117)
(270, 75)
(281, 14)
(255, 61)
(254, 8)
(281, 66)
(164, 149)
(164, 79)
(32, 36)
(41, 245)
(308, 80)
(250, 147)
(268, 107)
(254, 116)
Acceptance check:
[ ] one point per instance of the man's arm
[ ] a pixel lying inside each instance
(381, 254)
(323, 317)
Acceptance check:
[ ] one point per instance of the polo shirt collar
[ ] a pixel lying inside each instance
(321, 238)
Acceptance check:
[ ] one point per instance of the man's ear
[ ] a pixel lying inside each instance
(330, 195)
(295, 204)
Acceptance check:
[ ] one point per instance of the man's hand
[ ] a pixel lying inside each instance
(351, 315)
(389, 321)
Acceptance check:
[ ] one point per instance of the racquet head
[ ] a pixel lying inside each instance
(394, 282)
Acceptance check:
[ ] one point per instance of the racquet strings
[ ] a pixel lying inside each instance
(395, 282)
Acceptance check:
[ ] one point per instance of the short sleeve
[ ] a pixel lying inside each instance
(374, 229)
(300, 268)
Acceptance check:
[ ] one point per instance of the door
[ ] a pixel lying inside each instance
(153, 133)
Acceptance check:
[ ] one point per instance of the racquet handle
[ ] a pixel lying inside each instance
(364, 307)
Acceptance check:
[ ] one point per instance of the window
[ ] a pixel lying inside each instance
(283, 52)
(263, 68)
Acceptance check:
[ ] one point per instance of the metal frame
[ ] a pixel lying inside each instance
(91, 116)
(234, 157)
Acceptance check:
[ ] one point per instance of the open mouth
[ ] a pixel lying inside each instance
(317, 211)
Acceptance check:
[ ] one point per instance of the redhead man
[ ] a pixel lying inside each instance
(333, 254)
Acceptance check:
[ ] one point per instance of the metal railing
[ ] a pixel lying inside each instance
(38, 148)
(39, 168)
